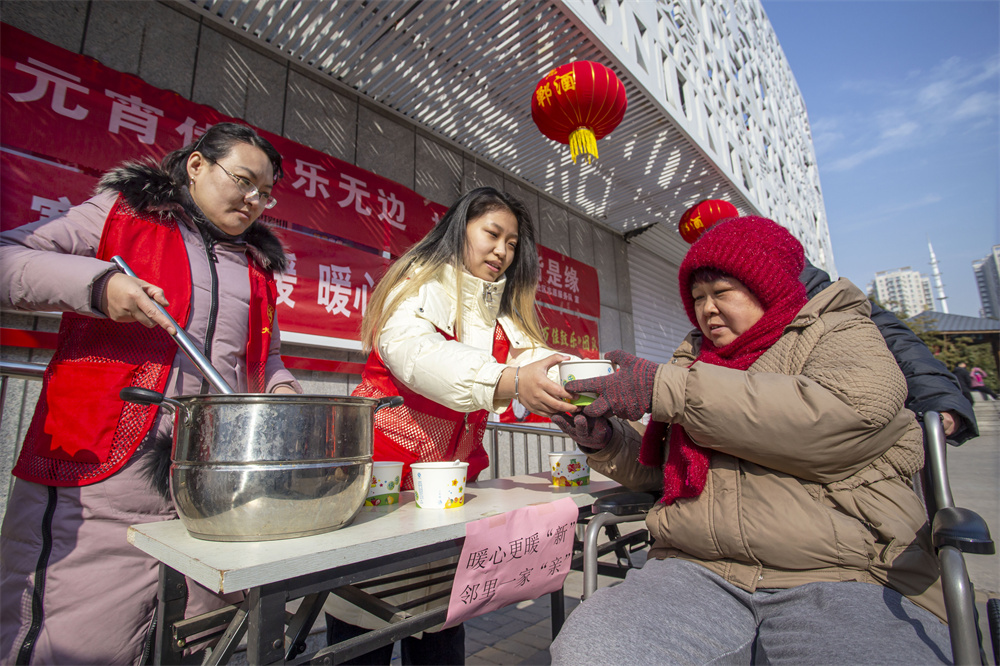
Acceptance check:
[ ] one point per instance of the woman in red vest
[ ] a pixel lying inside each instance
(452, 328)
(74, 591)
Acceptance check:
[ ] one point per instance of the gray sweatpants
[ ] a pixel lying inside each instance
(72, 589)
(676, 612)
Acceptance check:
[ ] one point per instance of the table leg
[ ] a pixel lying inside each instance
(266, 629)
(303, 620)
(171, 600)
(558, 611)
(230, 638)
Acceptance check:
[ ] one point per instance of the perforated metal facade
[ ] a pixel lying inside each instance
(714, 110)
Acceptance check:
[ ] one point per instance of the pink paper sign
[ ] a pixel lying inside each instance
(516, 556)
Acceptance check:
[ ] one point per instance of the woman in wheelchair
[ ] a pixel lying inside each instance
(788, 530)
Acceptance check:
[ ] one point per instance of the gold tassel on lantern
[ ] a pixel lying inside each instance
(582, 140)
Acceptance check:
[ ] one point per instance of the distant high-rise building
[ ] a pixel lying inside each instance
(938, 284)
(987, 272)
(905, 291)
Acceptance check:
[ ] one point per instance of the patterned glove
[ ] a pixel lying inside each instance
(594, 432)
(627, 393)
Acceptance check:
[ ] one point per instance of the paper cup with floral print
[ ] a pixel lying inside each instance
(439, 485)
(569, 468)
(386, 478)
(583, 369)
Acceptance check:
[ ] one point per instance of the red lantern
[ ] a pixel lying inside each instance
(702, 215)
(578, 104)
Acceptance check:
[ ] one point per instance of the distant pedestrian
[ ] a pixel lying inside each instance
(961, 373)
(978, 376)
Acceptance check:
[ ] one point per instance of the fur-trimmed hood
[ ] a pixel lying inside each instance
(149, 189)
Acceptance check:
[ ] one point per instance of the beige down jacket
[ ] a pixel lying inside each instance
(813, 455)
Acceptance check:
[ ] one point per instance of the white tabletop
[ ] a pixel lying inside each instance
(376, 531)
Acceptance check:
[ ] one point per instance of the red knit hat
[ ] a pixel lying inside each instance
(767, 260)
(702, 215)
(760, 253)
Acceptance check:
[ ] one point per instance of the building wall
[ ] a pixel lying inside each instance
(717, 69)
(987, 271)
(172, 48)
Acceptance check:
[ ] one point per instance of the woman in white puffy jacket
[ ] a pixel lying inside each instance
(452, 328)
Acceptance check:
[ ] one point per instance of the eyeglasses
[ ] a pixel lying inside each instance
(247, 188)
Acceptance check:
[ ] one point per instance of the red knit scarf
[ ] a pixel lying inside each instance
(686, 468)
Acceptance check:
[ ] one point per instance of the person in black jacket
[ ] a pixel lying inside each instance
(964, 378)
(930, 386)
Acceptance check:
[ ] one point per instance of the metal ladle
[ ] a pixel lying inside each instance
(183, 340)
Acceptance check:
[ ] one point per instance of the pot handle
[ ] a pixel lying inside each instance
(389, 401)
(141, 396)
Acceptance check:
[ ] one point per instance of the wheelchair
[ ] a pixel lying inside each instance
(954, 531)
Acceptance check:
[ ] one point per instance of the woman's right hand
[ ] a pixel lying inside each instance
(540, 394)
(128, 299)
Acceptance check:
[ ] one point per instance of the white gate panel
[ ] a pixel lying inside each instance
(658, 314)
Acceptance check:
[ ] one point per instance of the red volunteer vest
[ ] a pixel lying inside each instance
(81, 431)
(422, 430)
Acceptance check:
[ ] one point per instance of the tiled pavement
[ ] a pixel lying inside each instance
(518, 634)
(515, 635)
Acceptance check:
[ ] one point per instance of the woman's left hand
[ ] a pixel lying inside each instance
(284, 389)
(594, 432)
(540, 394)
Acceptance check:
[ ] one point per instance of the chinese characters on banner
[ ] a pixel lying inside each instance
(567, 283)
(564, 284)
(326, 286)
(516, 556)
(70, 109)
(568, 332)
(31, 190)
(67, 119)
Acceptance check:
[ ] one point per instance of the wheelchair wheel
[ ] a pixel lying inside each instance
(993, 613)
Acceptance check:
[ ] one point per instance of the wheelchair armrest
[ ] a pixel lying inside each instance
(962, 529)
(624, 503)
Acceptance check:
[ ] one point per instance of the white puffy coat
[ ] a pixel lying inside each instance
(459, 375)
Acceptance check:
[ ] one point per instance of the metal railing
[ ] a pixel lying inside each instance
(16, 370)
(524, 446)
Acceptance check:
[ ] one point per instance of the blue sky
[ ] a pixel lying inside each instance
(903, 99)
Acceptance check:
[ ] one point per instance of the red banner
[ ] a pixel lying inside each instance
(32, 190)
(568, 283)
(67, 119)
(569, 333)
(563, 332)
(323, 193)
(326, 287)
(70, 109)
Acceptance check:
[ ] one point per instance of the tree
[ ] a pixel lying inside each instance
(950, 349)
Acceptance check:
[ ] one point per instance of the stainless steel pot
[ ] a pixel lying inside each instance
(251, 467)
